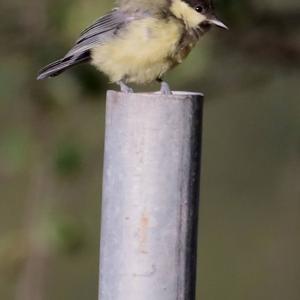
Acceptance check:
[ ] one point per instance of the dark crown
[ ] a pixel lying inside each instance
(205, 5)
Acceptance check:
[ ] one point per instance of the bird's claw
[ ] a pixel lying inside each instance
(165, 88)
(125, 88)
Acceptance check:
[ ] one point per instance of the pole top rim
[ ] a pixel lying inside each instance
(175, 94)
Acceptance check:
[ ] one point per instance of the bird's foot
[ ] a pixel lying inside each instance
(125, 88)
(165, 88)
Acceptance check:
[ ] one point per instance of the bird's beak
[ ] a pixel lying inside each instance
(218, 23)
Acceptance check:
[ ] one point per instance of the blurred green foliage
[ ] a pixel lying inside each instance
(66, 235)
(51, 151)
(68, 159)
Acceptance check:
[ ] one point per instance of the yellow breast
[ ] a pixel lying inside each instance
(142, 52)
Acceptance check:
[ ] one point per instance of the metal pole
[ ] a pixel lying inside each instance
(150, 196)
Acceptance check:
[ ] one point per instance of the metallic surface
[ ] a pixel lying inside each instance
(150, 196)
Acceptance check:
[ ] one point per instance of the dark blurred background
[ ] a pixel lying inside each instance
(51, 148)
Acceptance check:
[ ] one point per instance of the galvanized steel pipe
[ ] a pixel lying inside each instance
(150, 196)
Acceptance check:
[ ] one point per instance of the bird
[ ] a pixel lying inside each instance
(140, 40)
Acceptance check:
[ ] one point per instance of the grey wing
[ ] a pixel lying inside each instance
(99, 32)
(102, 30)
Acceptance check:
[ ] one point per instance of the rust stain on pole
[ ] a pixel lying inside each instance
(143, 232)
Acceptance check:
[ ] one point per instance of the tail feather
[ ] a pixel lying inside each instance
(61, 65)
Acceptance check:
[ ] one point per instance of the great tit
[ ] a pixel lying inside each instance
(140, 40)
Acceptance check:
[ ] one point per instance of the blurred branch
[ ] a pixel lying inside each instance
(32, 278)
(271, 36)
(287, 20)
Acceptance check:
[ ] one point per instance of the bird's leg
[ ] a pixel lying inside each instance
(164, 87)
(125, 88)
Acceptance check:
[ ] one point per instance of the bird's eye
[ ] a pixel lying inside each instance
(199, 8)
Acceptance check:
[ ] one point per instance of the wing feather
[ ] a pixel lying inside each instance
(99, 32)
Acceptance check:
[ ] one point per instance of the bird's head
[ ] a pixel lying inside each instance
(196, 13)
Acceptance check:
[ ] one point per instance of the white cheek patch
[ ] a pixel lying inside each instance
(183, 11)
